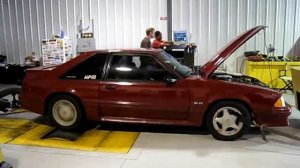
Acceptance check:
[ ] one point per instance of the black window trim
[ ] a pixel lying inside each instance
(63, 77)
(174, 72)
(129, 80)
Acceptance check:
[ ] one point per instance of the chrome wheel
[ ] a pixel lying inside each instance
(226, 121)
(64, 113)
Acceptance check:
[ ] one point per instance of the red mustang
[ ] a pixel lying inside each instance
(151, 87)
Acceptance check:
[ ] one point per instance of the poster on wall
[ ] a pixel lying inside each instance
(56, 51)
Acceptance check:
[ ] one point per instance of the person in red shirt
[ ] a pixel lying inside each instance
(158, 42)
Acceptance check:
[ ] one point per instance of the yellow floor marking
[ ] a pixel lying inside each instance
(7, 135)
(11, 128)
(92, 138)
(118, 142)
(25, 132)
(17, 124)
(19, 110)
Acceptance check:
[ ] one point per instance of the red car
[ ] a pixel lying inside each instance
(151, 87)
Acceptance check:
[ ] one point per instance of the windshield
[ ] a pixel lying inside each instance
(180, 68)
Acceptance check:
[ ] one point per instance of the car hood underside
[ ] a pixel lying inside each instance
(223, 54)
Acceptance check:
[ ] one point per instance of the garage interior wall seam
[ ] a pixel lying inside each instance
(122, 24)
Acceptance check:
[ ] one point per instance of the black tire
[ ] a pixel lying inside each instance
(235, 109)
(75, 125)
(12, 94)
(10, 91)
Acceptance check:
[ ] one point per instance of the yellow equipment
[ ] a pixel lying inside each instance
(269, 72)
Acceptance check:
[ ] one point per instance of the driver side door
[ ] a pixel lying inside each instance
(134, 87)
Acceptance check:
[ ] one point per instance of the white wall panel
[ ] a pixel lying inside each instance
(117, 23)
(261, 20)
(14, 29)
(251, 22)
(2, 44)
(122, 23)
(63, 9)
(22, 31)
(213, 23)
(129, 24)
(8, 30)
(290, 20)
(103, 35)
(40, 23)
(47, 8)
(194, 24)
(204, 22)
(223, 29)
(280, 26)
(111, 23)
(295, 50)
(35, 35)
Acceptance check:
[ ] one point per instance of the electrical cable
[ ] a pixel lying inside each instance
(270, 73)
(242, 65)
(268, 55)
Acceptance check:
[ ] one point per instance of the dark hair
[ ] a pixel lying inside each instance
(157, 33)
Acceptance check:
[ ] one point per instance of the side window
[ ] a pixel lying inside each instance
(142, 68)
(90, 69)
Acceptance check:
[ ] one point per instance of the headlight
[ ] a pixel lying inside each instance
(280, 102)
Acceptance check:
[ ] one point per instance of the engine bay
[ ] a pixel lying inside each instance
(239, 78)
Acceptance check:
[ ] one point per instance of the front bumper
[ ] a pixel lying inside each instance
(277, 117)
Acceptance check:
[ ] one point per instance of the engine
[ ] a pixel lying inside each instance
(238, 78)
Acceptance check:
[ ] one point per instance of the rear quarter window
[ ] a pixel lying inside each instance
(90, 69)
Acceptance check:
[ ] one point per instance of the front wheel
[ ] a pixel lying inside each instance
(66, 113)
(228, 120)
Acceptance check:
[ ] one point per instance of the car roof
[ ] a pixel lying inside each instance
(134, 50)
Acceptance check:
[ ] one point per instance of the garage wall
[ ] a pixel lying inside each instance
(117, 23)
(212, 23)
(121, 23)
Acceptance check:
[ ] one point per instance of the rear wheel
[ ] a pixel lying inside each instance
(228, 120)
(66, 113)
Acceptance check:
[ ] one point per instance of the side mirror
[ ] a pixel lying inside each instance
(170, 80)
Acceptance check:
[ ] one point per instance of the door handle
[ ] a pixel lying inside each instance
(109, 87)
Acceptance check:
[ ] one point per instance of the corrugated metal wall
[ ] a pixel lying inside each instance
(212, 23)
(117, 23)
(121, 23)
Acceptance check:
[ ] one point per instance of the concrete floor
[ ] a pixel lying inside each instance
(173, 147)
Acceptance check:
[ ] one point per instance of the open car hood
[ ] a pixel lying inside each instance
(224, 53)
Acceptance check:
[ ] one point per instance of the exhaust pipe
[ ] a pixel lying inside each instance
(4, 105)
